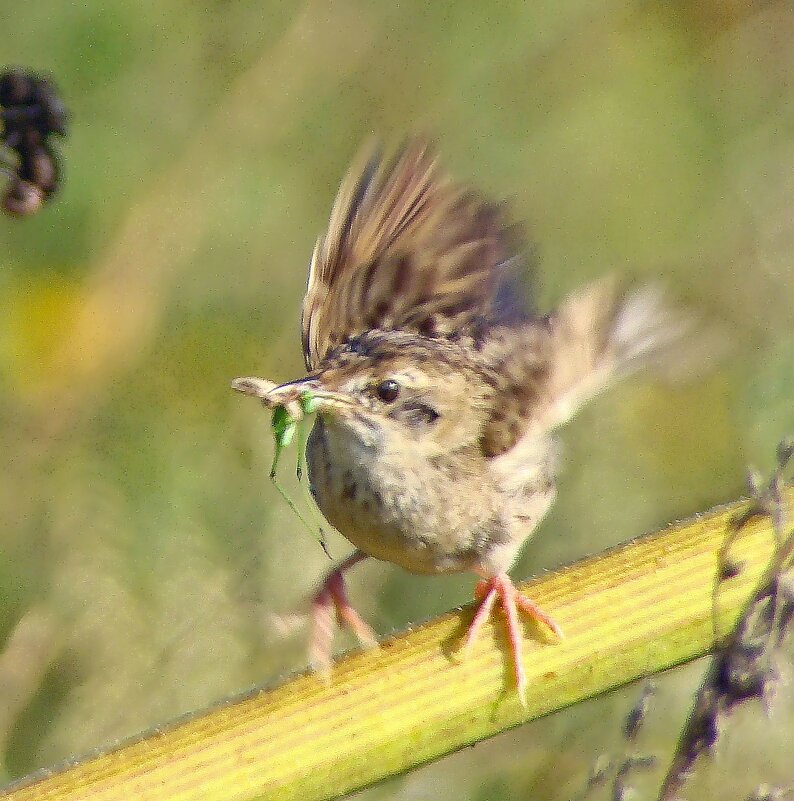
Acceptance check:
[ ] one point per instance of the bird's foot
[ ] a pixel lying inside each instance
(501, 586)
(331, 602)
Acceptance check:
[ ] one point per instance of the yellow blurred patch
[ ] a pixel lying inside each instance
(36, 318)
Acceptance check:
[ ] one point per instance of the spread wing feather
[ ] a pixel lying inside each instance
(545, 370)
(408, 249)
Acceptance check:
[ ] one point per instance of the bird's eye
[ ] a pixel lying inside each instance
(388, 390)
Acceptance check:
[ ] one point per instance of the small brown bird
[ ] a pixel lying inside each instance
(438, 392)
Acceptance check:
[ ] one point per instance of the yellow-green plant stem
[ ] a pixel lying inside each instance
(632, 611)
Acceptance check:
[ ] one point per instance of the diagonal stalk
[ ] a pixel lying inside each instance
(632, 611)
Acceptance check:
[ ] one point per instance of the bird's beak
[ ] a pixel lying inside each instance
(292, 395)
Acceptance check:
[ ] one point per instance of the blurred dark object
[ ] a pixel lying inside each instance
(31, 112)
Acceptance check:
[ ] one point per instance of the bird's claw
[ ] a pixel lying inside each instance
(512, 601)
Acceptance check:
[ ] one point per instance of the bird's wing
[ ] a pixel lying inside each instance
(408, 249)
(545, 370)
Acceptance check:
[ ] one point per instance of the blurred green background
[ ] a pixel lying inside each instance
(143, 547)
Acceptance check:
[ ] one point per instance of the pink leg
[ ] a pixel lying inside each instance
(331, 601)
(501, 586)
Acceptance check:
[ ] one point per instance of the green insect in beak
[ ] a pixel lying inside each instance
(284, 428)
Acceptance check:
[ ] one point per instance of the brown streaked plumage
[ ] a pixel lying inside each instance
(438, 393)
(407, 249)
